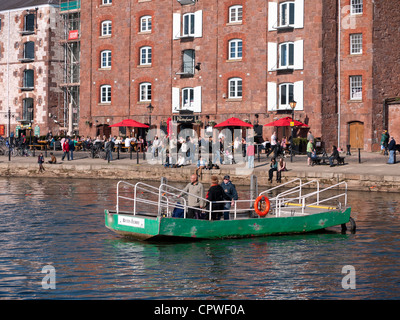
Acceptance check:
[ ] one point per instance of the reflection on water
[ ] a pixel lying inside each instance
(60, 223)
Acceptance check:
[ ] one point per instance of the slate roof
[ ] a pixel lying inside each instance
(15, 4)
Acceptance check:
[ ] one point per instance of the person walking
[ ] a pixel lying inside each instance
(65, 149)
(230, 190)
(40, 162)
(392, 151)
(250, 155)
(71, 148)
(108, 147)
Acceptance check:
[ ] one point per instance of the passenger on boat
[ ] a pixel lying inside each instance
(216, 194)
(230, 190)
(195, 199)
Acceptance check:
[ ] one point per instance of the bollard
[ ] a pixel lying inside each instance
(118, 152)
(45, 150)
(137, 155)
(130, 151)
(348, 150)
(359, 155)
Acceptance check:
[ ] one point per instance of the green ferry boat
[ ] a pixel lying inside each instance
(145, 212)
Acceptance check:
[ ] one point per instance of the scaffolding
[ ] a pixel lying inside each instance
(71, 20)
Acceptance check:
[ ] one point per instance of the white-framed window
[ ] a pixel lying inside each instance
(356, 43)
(235, 88)
(235, 14)
(235, 49)
(106, 1)
(105, 59)
(187, 98)
(286, 14)
(105, 94)
(286, 94)
(356, 7)
(145, 91)
(188, 24)
(106, 28)
(286, 55)
(355, 87)
(145, 56)
(145, 24)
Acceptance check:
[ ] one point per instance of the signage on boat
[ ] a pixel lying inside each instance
(131, 221)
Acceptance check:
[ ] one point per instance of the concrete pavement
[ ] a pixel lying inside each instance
(370, 172)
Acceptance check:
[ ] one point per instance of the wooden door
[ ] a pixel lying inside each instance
(356, 135)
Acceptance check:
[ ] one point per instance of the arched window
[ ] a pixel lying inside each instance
(286, 54)
(235, 49)
(235, 88)
(106, 27)
(187, 98)
(145, 56)
(29, 50)
(105, 56)
(105, 93)
(235, 14)
(28, 81)
(286, 94)
(145, 24)
(145, 91)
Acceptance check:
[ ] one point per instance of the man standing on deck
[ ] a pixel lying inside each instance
(230, 191)
(195, 198)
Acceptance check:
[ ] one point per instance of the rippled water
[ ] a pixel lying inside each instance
(60, 222)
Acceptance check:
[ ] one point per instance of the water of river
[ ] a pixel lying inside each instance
(60, 223)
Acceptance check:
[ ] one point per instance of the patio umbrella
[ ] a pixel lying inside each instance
(233, 122)
(285, 122)
(169, 124)
(130, 123)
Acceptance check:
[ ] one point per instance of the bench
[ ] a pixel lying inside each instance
(325, 160)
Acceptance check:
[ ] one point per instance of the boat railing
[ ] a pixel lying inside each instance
(162, 201)
(208, 204)
(312, 199)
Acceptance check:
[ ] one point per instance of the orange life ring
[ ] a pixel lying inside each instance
(267, 206)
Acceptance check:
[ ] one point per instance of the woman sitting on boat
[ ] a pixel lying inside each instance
(214, 194)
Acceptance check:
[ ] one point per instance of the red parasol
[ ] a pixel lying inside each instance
(233, 122)
(169, 124)
(285, 122)
(130, 123)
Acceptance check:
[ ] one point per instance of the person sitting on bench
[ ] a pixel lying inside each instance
(334, 156)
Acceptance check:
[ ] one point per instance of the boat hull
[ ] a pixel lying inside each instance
(158, 228)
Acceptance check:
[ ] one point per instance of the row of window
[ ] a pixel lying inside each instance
(190, 98)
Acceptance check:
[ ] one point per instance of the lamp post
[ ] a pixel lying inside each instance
(292, 106)
(150, 109)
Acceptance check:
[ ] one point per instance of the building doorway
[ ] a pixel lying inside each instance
(356, 135)
(103, 130)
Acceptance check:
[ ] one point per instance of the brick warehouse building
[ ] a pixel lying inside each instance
(217, 59)
(29, 66)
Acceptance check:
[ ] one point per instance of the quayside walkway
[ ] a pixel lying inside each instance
(369, 172)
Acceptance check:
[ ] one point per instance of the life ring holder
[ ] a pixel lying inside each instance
(267, 207)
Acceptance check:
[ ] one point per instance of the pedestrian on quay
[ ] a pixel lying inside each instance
(108, 147)
(65, 149)
(392, 151)
(230, 190)
(40, 162)
(195, 200)
(250, 155)
(310, 148)
(71, 143)
(384, 142)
